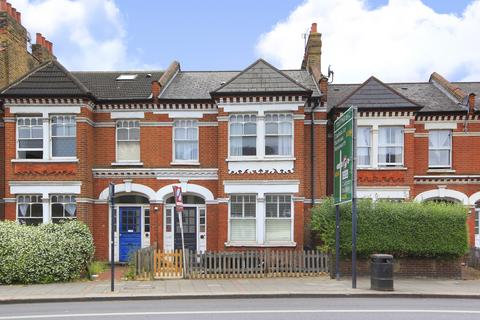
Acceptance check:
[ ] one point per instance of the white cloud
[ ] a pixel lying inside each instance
(86, 34)
(402, 41)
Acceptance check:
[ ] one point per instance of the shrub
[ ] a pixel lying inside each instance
(45, 253)
(404, 229)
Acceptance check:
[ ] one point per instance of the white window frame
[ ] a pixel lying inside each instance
(396, 164)
(450, 148)
(174, 139)
(370, 148)
(292, 122)
(243, 135)
(242, 218)
(38, 197)
(51, 135)
(72, 199)
(39, 120)
(139, 140)
(291, 218)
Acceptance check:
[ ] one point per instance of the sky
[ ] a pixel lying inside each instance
(395, 40)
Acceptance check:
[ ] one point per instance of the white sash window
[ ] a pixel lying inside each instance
(243, 218)
(64, 207)
(243, 135)
(29, 209)
(278, 218)
(30, 137)
(440, 148)
(278, 134)
(390, 146)
(185, 137)
(64, 132)
(128, 141)
(364, 146)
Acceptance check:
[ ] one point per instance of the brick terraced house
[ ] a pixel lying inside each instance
(250, 148)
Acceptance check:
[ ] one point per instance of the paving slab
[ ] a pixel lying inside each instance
(218, 288)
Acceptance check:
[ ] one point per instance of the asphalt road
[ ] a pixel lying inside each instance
(251, 309)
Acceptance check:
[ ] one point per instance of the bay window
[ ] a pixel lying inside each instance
(63, 207)
(243, 218)
(128, 141)
(30, 137)
(390, 146)
(243, 135)
(364, 146)
(278, 134)
(439, 148)
(30, 209)
(278, 218)
(64, 131)
(185, 140)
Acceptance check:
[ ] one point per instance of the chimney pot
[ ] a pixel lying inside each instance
(19, 17)
(9, 8)
(43, 42)
(14, 13)
(314, 27)
(3, 5)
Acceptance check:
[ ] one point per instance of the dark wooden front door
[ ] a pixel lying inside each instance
(189, 218)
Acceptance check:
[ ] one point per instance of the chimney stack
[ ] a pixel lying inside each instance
(3, 5)
(313, 52)
(42, 49)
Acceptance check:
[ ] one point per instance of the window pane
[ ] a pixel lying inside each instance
(278, 229)
(363, 154)
(37, 210)
(439, 157)
(242, 230)
(57, 210)
(271, 210)
(30, 154)
(236, 210)
(250, 209)
(64, 147)
(249, 147)
(128, 150)
(23, 132)
(30, 143)
(135, 134)
(122, 134)
(37, 132)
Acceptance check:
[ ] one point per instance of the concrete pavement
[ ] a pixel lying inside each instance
(321, 286)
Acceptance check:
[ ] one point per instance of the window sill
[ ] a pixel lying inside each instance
(45, 160)
(243, 159)
(383, 168)
(178, 163)
(264, 245)
(440, 170)
(127, 164)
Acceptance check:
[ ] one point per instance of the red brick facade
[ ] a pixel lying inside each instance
(216, 176)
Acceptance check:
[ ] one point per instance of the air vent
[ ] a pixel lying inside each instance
(126, 77)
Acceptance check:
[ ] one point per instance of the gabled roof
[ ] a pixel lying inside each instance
(105, 86)
(374, 94)
(261, 77)
(49, 79)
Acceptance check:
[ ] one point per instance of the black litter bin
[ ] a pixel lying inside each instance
(381, 272)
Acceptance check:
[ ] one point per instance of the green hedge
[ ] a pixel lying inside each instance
(45, 253)
(404, 229)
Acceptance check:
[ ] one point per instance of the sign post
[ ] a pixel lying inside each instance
(344, 183)
(111, 195)
(177, 192)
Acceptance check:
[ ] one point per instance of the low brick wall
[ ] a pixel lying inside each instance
(407, 267)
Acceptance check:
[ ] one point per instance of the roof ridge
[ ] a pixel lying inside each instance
(119, 71)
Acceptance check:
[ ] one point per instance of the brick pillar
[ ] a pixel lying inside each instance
(471, 227)
(101, 231)
(156, 225)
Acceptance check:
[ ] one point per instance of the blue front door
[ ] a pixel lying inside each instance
(130, 231)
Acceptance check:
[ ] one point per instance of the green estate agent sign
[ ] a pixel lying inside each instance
(343, 157)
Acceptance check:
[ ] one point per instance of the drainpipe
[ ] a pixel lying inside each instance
(316, 102)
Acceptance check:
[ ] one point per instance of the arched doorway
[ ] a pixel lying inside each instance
(194, 224)
(132, 224)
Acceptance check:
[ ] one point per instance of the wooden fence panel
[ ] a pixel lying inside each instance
(156, 264)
